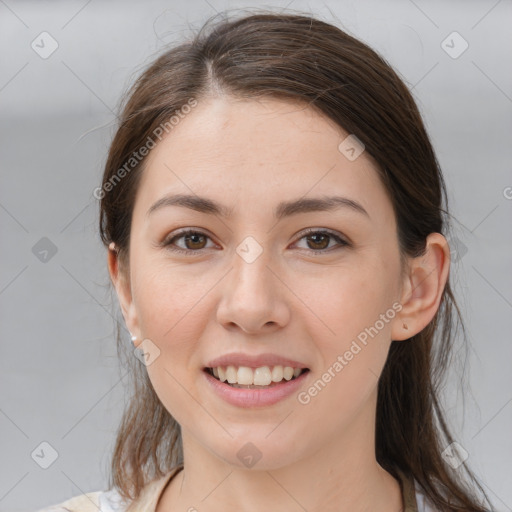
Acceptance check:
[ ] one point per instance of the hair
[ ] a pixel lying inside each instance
(300, 59)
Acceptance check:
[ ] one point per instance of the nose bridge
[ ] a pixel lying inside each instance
(251, 297)
(251, 280)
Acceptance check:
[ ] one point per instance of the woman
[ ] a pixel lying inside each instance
(275, 219)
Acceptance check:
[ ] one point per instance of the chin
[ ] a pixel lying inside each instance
(254, 452)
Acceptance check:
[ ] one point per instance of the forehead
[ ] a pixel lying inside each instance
(257, 153)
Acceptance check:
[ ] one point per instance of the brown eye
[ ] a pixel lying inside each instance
(195, 241)
(318, 241)
(190, 241)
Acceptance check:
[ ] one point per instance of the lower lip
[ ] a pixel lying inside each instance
(242, 397)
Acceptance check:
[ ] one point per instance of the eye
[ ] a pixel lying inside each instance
(317, 240)
(193, 240)
(320, 240)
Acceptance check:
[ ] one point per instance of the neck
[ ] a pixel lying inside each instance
(343, 476)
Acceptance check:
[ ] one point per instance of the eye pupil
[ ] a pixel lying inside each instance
(322, 236)
(194, 237)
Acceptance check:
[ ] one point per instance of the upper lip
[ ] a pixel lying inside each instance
(240, 359)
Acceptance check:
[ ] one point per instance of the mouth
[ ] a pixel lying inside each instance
(263, 377)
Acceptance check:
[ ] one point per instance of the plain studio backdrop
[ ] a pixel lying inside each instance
(63, 68)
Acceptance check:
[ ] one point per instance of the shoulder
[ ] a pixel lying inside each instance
(101, 501)
(111, 500)
(422, 502)
(412, 494)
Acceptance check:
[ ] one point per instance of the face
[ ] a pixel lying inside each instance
(267, 278)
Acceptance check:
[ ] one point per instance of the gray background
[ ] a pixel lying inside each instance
(60, 380)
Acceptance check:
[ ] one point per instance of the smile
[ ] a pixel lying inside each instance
(254, 378)
(241, 394)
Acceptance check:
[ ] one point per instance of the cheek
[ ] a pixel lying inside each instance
(351, 361)
(169, 301)
(351, 328)
(347, 301)
(172, 315)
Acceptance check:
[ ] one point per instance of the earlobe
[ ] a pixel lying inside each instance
(423, 288)
(121, 283)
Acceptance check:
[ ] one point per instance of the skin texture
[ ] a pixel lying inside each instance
(294, 300)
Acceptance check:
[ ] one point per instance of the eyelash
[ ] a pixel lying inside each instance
(169, 242)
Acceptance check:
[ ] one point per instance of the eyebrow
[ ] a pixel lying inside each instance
(284, 209)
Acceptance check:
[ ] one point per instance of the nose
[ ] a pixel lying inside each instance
(253, 298)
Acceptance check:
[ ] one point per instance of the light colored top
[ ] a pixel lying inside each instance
(110, 501)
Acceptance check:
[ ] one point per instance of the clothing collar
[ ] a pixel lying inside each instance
(408, 492)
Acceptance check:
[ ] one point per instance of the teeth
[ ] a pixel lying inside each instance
(277, 374)
(287, 372)
(245, 375)
(231, 374)
(262, 376)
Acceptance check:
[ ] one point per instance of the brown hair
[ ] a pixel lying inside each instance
(301, 59)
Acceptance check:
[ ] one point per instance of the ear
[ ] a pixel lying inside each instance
(121, 280)
(422, 288)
